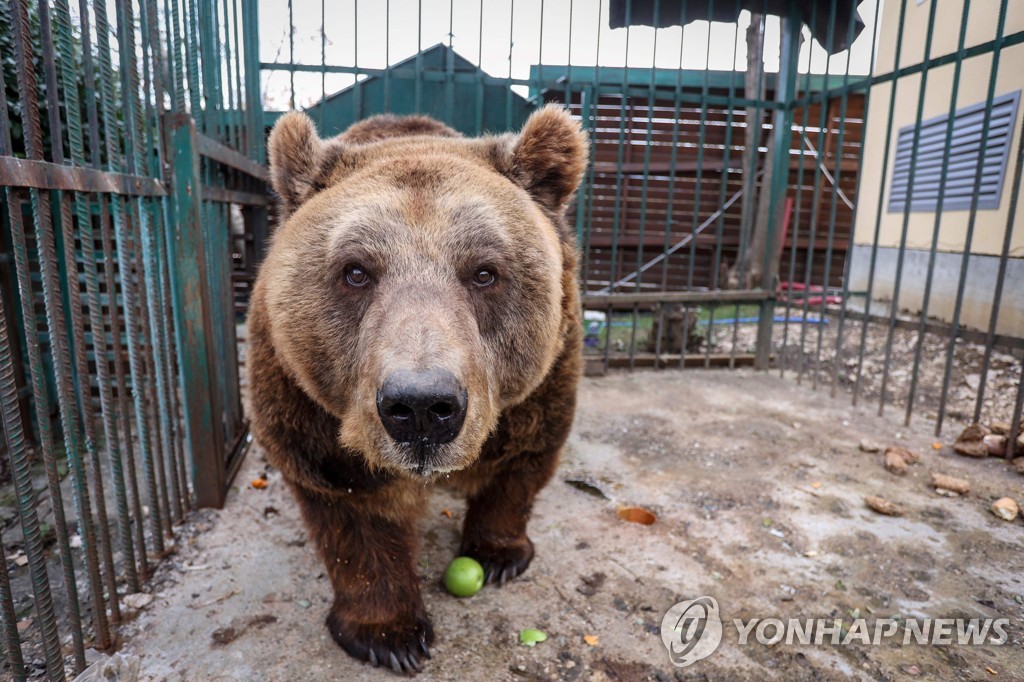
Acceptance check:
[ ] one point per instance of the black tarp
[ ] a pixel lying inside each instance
(671, 12)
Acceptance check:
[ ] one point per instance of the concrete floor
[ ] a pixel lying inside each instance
(758, 485)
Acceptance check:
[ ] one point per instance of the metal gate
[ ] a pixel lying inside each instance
(125, 153)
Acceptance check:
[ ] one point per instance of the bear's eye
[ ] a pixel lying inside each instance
(483, 278)
(356, 276)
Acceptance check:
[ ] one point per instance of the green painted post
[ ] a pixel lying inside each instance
(190, 301)
(783, 134)
(253, 96)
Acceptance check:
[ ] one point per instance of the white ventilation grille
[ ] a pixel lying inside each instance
(962, 167)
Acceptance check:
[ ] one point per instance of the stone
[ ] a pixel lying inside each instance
(138, 600)
(971, 443)
(1000, 428)
(910, 456)
(883, 506)
(950, 483)
(114, 668)
(996, 444)
(1005, 508)
(898, 459)
(894, 463)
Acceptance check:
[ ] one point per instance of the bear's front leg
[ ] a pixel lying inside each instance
(495, 529)
(378, 614)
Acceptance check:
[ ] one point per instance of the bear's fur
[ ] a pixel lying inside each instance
(420, 210)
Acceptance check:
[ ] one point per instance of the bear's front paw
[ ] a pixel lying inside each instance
(399, 644)
(501, 561)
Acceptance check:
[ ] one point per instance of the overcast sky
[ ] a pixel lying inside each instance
(509, 37)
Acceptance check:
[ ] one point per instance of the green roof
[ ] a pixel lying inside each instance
(557, 77)
(437, 82)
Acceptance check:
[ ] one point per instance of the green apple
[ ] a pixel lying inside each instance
(464, 576)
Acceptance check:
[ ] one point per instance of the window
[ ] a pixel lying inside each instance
(962, 166)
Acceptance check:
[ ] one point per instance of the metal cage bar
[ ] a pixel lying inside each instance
(93, 321)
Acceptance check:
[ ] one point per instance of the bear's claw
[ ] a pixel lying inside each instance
(389, 645)
(502, 563)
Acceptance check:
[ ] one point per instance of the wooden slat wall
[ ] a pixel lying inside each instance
(627, 132)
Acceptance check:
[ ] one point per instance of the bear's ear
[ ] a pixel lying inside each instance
(549, 157)
(296, 154)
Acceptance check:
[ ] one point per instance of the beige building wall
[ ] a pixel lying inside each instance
(990, 225)
(981, 28)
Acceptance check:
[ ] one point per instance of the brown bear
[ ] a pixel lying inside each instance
(416, 320)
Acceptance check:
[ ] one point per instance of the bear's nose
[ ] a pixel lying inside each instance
(426, 407)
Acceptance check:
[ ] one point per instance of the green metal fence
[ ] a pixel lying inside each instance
(126, 147)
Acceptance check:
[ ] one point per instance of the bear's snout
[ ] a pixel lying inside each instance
(426, 407)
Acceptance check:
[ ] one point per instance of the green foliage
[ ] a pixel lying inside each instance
(8, 63)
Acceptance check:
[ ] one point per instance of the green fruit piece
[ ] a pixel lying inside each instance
(532, 636)
(464, 576)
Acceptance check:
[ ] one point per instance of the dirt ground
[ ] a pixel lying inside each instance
(758, 485)
(809, 353)
(797, 351)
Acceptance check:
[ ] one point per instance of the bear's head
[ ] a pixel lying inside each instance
(416, 285)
